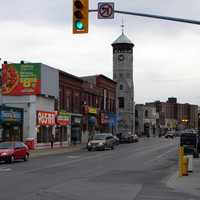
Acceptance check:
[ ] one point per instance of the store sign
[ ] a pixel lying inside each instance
(10, 116)
(46, 118)
(20, 79)
(63, 118)
(92, 110)
(104, 118)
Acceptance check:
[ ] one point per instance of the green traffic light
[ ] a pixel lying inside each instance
(79, 25)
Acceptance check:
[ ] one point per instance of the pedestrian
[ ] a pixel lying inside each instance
(52, 141)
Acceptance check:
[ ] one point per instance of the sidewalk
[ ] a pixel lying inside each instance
(187, 184)
(44, 152)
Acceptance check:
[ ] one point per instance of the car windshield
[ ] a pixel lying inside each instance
(6, 145)
(99, 137)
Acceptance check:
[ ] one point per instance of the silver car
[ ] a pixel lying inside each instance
(101, 142)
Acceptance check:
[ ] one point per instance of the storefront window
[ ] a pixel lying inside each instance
(1, 133)
(44, 134)
(61, 133)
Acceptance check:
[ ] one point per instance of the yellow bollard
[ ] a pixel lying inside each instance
(185, 166)
(181, 154)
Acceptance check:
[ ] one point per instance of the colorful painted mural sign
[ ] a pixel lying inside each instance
(21, 79)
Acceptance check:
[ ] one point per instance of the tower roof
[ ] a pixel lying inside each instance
(122, 39)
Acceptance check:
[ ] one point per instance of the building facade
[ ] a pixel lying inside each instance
(173, 115)
(146, 120)
(55, 106)
(105, 102)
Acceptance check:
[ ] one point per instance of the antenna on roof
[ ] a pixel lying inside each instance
(122, 25)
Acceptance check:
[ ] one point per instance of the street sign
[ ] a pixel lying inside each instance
(105, 10)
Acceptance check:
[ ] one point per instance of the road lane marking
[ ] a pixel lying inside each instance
(73, 157)
(2, 169)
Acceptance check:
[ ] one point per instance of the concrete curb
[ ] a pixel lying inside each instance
(56, 151)
(186, 184)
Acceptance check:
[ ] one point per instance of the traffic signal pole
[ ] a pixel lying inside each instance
(155, 16)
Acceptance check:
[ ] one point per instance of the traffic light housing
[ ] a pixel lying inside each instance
(80, 16)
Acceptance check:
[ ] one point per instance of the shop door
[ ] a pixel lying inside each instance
(76, 135)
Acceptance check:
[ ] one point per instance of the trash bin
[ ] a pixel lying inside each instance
(30, 142)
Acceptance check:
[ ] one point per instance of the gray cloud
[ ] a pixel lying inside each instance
(166, 60)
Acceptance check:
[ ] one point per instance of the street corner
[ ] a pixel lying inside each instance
(187, 184)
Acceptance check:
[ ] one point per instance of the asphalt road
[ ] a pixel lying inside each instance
(137, 171)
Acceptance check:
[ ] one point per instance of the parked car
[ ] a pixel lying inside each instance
(135, 138)
(191, 143)
(116, 139)
(101, 141)
(170, 134)
(125, 137)
(114, 136)
(11, 151)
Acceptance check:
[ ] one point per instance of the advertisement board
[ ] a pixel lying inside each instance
(45, 118)
(21, 79)
(63, 118)
(11, 115)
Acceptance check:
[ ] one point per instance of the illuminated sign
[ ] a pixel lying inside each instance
(46, 118)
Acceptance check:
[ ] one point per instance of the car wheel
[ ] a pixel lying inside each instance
(26, 157)
(89, 149)
(11, 159)
(112, 147)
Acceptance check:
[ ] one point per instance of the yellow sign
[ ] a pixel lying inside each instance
(92, 110)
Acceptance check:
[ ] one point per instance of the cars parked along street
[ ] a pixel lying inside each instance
(126, 138)
(170, 134)
(11, 151)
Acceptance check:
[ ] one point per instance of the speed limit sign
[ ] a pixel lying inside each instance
(105, 10)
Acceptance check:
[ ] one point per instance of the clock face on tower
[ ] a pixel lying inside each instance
(120, 57)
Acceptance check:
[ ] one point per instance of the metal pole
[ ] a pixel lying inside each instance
(156, 16)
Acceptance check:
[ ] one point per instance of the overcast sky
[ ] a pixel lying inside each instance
(166, 54)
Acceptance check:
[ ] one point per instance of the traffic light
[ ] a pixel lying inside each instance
(80, 16)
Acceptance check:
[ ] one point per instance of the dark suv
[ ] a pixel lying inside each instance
(191, 143)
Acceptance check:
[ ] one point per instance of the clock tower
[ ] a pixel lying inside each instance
(123, 75)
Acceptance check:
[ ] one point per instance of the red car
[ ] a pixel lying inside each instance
(11, 151)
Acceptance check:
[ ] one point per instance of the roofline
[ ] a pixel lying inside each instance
(71, 75)
(105, 77)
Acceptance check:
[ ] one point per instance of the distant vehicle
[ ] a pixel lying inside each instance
(135, 138)
(101, 141)
(126, 138)
(116, 139)
(11, 151)
(191, 143)
(170, 134)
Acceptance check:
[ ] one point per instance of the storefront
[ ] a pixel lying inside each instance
(92, 121)
(62, 131)
(45, 126)
(11, 124)
(108, 122)
(76, 128)
(104, 127)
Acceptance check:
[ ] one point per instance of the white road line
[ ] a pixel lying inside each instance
(5, 169)
(161, 156)
(72, 157)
